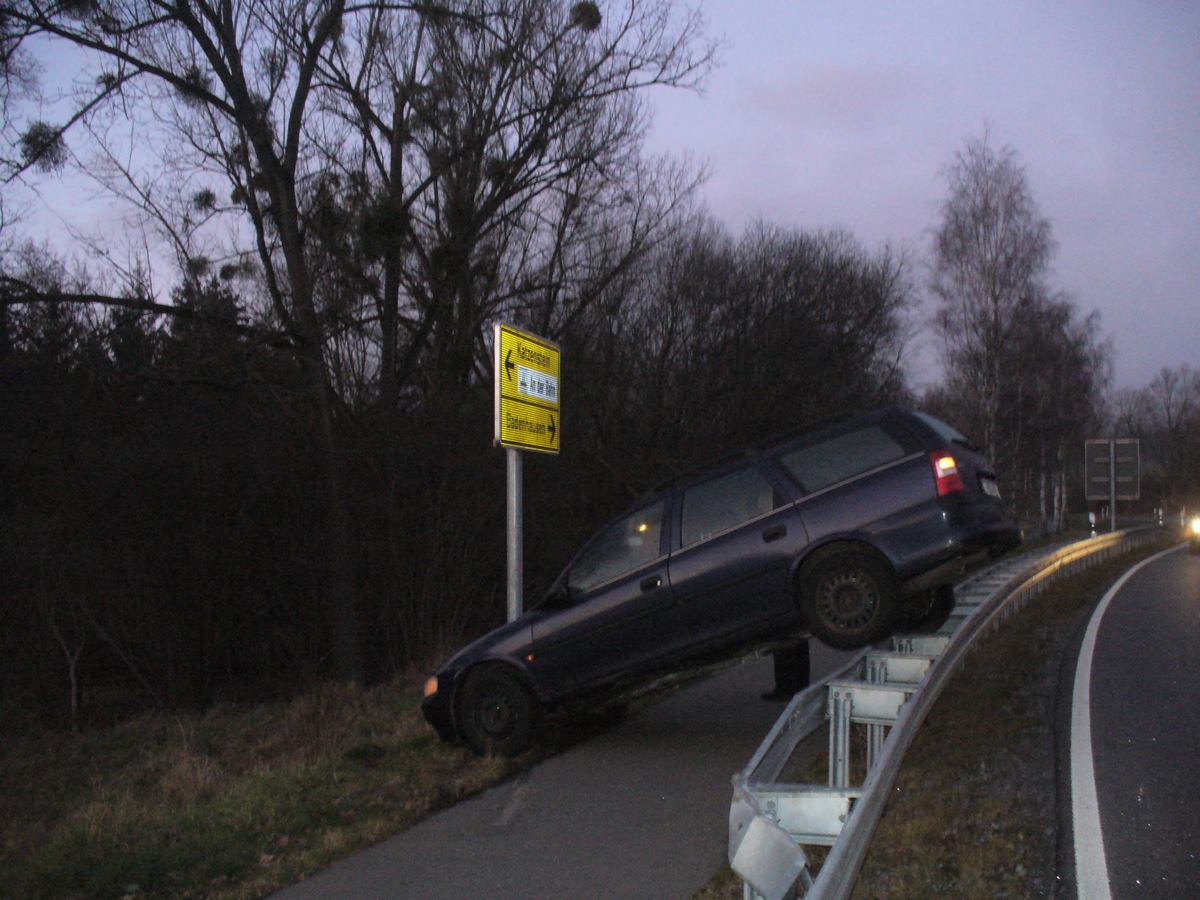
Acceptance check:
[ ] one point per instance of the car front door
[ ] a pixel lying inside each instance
(619, 612)
(738, 536)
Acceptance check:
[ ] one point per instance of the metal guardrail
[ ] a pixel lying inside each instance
(889, 692)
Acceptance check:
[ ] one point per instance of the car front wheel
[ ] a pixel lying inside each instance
(498, 714)
(849, 600)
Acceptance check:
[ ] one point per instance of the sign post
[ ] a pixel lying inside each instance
(527, 419)
(1112, 472)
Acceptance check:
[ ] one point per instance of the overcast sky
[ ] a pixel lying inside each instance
(843, 113)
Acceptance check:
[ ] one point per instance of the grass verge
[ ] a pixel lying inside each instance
(229, 804)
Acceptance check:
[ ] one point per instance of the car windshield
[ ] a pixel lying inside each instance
(623, 546)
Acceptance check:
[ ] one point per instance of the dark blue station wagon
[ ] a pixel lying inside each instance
(845, 531)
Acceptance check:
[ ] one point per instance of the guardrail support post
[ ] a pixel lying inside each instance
(878, 705)
(841, 707)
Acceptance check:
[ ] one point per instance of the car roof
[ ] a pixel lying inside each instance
(778, 439)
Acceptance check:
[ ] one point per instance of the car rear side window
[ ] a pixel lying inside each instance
(837, 459)
(622, 547)
(725, 502)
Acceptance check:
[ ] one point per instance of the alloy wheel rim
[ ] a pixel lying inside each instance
(496, 714)
(848, 600)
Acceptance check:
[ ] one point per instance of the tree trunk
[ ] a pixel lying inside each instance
(340, 588)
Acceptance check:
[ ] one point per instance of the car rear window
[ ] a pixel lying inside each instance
(945, 432)
(828, 462)
(725, 502)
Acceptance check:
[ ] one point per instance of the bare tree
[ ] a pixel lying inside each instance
(1165, 415)
(1025, 373)
(497, 155)
(1052, 402)
(720, 342)
(991, 254)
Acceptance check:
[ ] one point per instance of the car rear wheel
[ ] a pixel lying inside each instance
(849, 599)
(499, 716)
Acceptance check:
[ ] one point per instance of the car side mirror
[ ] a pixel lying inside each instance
(559, 596)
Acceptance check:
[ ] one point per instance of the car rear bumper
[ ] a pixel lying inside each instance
(964, 546)
(996, 538)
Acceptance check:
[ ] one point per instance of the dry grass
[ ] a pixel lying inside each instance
(232, 803)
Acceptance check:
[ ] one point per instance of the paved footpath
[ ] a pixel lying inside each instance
(640, 811)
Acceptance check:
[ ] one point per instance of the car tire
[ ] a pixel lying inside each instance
(849, 599)
(498, 715)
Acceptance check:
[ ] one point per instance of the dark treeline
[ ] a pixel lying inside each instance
(1165, 417)
(163, 511)
(379, 183)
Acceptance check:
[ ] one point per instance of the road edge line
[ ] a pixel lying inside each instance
(1091, 867)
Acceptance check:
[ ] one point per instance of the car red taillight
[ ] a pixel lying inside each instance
(945, 473)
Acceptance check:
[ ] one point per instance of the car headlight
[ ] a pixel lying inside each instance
(431, 686)
(1195, 527)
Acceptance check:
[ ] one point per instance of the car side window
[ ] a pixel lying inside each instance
(621, 547)
(725, 502)
(828, 462)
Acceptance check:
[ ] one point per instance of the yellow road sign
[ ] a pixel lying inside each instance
(527, 391)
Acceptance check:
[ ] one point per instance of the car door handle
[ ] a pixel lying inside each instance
(652, 583)
(774, 533)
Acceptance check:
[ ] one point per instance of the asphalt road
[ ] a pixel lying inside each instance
(1137, 832)
(640, 811)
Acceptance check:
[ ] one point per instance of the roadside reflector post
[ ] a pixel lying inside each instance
(1112, 485)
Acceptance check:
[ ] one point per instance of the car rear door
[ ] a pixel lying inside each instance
(736, 536)
(865, 481)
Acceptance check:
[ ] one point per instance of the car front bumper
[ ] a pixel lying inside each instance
(438, 709)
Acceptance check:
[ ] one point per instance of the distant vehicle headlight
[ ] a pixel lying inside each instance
(1194, 529)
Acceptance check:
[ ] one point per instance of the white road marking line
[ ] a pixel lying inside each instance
(1091, 866)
